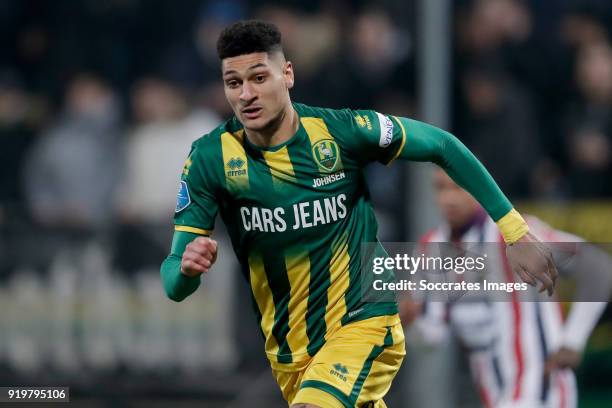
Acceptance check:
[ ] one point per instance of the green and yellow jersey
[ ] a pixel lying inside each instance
(297, 215)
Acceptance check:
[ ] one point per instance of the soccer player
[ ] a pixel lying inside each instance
(520, 351)
(288, 182)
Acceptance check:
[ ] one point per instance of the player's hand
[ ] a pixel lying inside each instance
(562, 359)
(200, 254)
(532, 261)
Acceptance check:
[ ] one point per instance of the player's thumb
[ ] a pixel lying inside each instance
(212, 247)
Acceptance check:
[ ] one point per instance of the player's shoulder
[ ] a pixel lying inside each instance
(210, 143)
(331, 116)
(344, 124)
(205, 160)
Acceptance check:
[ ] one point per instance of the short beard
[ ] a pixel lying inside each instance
(273, 124)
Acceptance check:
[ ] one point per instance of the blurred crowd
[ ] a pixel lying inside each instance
(100, 101)
(534, 94)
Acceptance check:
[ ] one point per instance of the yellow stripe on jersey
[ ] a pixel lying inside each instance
(317, 131)
(194, 230)
(280, 167)
(339, 285)
(298, 273)
(236, 166)
(265, 304)
(399, 151)
(186, 166)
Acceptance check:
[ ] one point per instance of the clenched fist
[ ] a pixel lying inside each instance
(200, 254)
(533, 262)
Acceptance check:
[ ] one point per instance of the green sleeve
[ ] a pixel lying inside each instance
(366, 135)
(177, 285)
(194, 216)
(196, 206)
(428, 143)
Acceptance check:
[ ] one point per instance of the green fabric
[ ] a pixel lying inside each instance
(367, 366)
(428, 143)
(177, 285)
(330, 389)
(180, 239)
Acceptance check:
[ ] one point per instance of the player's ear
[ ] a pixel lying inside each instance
(288, 74)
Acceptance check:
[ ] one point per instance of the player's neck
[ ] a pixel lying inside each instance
(278, 132)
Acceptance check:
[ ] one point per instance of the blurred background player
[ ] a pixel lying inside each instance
(520, 348)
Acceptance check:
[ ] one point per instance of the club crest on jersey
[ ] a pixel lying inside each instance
(235, 165)
(325, 153)
(182, 198)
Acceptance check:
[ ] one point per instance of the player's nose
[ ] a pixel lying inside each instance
(247, 93)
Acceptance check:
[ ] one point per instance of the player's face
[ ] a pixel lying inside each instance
(456, 205)
(257, 87)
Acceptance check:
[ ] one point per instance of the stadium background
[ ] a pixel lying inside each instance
(100, 100)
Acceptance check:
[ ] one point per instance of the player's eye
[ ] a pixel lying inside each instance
(260, 78)
(232, 83)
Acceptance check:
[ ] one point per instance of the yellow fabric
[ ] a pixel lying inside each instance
(280, 167)
(512, 226)
(319, 398)
(357, 349)
(401, 148)
(236, 165)
(298, 272)
(194, 230)
(263, 297)
(339, 285)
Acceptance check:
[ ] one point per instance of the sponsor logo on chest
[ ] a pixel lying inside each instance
(329, 179)
(301, 215)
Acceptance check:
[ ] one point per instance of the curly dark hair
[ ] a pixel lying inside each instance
(246, 37)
